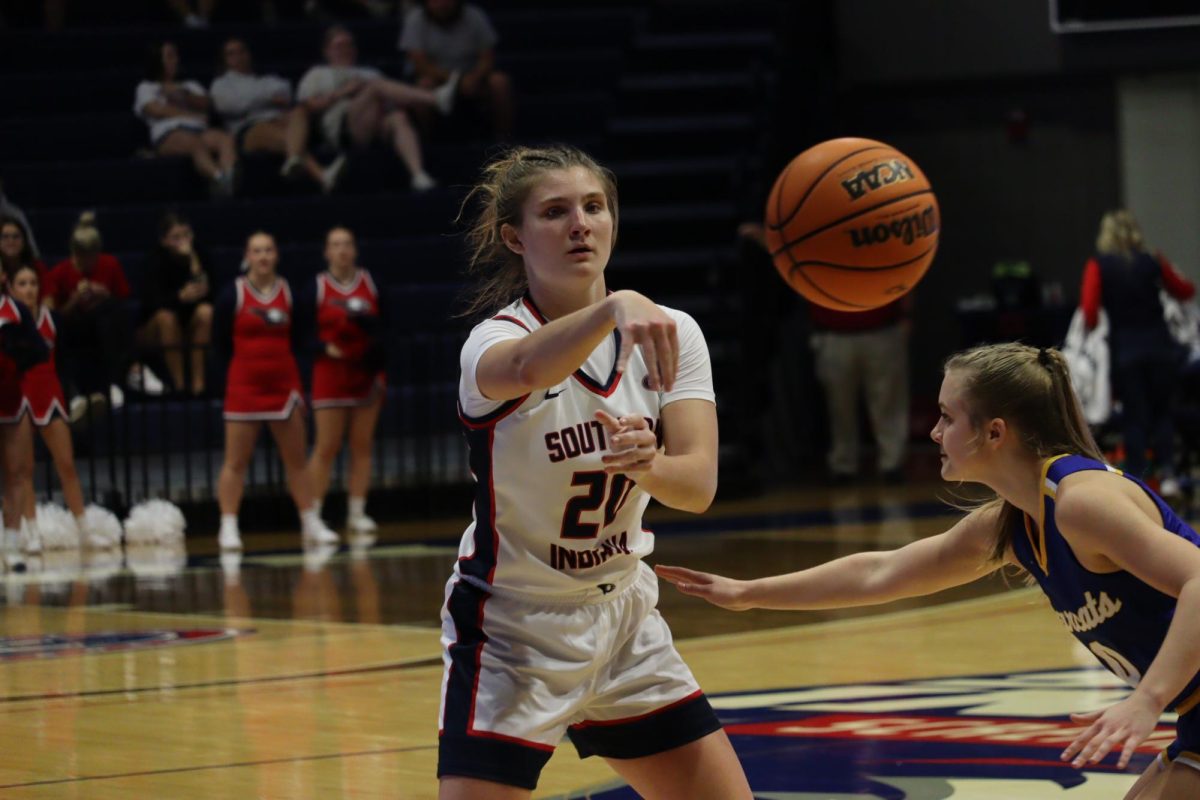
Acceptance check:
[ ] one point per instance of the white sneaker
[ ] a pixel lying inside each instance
(116, 397)
(13, 557)
(444, 94)
(293, 168)
(77, 408)
(151, 383)
(422, 182)
(361, 523)
(229, 538)
(31, 541)
(320, 534)
(332, 175)
(1169, 487)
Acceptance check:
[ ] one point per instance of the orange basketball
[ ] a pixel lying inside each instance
(852, 224)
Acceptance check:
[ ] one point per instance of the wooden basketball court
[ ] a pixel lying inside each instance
(291, 676)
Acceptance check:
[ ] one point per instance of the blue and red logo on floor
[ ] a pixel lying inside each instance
(60, 644)
(986, 736)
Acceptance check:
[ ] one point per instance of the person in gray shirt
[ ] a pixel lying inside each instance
(357, 105)
(443, 36)
(258, 112)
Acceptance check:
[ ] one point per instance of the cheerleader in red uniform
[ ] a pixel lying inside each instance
(347, 379)
(45, 403)
(254, 331)
(20, 349)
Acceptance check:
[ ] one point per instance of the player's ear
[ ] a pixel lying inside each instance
(997, 432)
(513, 242)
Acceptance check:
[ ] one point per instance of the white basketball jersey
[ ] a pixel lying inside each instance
(547, 518)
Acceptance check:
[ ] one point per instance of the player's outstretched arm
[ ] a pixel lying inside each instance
(958, 556)
(551, 353)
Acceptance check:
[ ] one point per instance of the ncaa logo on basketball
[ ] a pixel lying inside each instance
(983, 736)
(883, 174)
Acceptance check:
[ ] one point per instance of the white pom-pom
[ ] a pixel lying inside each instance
(154, 522)
(57, 527)
(101, 528)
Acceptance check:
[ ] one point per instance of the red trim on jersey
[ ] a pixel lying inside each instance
(594, 386)
(533, 309)
(513, 320)
(589, 723)
(489, 420)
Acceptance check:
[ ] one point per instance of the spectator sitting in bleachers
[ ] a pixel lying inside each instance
(257, 111)
(441, 37)
(357, 105)
(176, 305)
(7, 209)
(16, 250)
(177, 115)
(87, 290)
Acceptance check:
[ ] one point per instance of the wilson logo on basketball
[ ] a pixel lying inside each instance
(907, 229)
(884, 174)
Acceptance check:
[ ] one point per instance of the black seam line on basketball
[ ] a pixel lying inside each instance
(852, 268)
(779, 200)
(229, 765)
(858, 213)
(810, 282)
(397, 666)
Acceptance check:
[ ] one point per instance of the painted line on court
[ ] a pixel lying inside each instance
(229, 765)
(395, 666)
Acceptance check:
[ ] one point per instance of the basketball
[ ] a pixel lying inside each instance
(852, 224)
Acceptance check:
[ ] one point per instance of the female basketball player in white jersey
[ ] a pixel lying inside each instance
(1119, 567)
(550, 624)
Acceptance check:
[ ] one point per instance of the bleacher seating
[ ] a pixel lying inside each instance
(669, 95)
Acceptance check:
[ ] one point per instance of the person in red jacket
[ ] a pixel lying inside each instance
(1124, 278)
(254, 327)
(347, 378)
(87, 290)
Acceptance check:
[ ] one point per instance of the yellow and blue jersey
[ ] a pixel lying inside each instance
(1120, 618)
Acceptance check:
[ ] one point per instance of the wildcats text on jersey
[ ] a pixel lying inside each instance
(1092, 614)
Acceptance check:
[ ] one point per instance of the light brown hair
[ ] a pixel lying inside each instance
(500, 195)
(1030, 389)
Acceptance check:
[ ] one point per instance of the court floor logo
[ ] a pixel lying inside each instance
(967, 738)
(60, 644)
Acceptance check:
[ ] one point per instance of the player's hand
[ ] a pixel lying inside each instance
(1122, 726)
(727, 593)
(333, 351)
(632, 446)
(644, 324)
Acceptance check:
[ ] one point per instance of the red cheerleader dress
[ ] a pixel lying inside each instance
(347, 317)
(39, 384)
(263, 381)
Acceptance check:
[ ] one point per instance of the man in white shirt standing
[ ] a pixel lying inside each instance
(257, 111)
(357, 105)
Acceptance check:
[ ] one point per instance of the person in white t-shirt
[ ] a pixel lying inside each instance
(579, 405)
(258, 112)
(442, 36)
(358, 105)
(176, 112)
